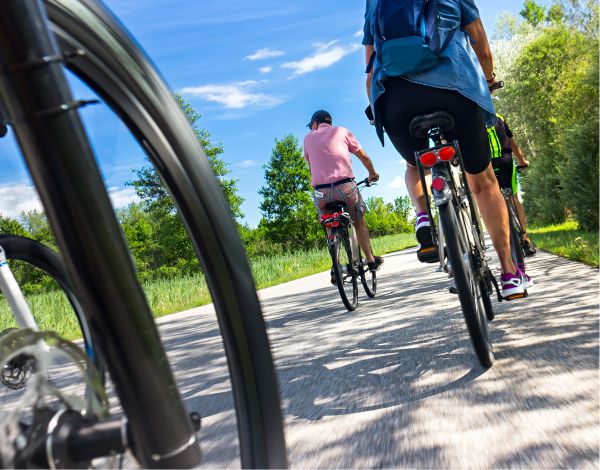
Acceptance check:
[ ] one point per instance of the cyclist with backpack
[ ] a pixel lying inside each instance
(327, 150)
(503, 148)
(433, 55)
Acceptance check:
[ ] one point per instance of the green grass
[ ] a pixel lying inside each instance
(53, 312)
(567, 240)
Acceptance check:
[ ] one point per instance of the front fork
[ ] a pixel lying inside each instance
(16, 301)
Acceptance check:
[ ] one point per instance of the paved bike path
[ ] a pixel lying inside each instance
(395, 383)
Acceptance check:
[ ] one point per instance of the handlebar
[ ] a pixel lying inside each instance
(521, 168)
(496, 86)
(366, 182)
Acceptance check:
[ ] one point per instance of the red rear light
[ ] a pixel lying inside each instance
(428, 159)
(335, 223)
(438, 183)
(447, 153)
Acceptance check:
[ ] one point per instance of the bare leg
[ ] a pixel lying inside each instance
(495, 215)
(364, 240)
(415, 190)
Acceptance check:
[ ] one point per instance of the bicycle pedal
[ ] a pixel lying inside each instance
(453, 290)
(517, 296)
(428, 255)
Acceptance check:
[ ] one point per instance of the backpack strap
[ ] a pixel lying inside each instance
(371, 62)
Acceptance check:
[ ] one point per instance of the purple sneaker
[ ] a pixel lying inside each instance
(427, 251)
(528, 280)
(513, 284)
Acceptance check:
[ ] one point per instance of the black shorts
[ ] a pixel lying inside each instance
(506, 172)
(403, 100)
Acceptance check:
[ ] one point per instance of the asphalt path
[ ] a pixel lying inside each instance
(396, 384)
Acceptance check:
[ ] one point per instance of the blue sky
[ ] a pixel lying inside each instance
(255, 71)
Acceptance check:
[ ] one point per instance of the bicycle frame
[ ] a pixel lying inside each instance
(456, 188)
(68, 181)
(508, 195)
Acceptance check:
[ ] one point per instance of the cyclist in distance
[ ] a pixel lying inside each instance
(327, 150)
(503, 148)
(456, 83)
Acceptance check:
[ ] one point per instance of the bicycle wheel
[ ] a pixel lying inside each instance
(368, 278)
(345, 274)
(467, 284)
(40, 256)
(119, 72)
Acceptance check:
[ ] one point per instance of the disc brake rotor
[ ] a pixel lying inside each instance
(45, 353)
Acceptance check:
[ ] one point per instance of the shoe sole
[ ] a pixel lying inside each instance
(428, 255)
(515, 291)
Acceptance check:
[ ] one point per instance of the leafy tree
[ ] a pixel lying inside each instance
(533, 12)
(36, 223)
(542, 82)
(12, 227)
(290, 218)
(169, 251)
(149, 187)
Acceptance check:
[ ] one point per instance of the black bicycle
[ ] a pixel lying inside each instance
(37, 41)
(346, 256)
(459, 235)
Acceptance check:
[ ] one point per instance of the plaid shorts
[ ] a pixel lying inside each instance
(347, 193)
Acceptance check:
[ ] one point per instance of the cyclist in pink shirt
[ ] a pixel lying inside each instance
(327, 150)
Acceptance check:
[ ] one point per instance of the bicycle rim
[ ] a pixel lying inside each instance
(467, 285)
(115, 68)
(344, 273)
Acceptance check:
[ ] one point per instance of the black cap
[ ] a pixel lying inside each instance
(320, 116)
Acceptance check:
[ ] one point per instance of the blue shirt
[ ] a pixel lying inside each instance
(457, 68)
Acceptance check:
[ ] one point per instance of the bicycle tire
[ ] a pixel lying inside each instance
(339, 275)
(368, 278)
(30, 251)
(469, 290)
(120, 73)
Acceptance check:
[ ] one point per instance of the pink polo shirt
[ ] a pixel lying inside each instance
(327, 150)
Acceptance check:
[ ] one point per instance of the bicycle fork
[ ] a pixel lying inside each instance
(14, 296)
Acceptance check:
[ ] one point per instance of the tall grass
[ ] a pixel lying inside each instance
(53, 312)
(567, 240)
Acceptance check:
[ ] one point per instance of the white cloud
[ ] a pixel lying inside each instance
(17, 198)
(325, 56)
(265, 69)
(234, 95)
(265, 53)
(122, 197)
(397, 183)
(244, 164)
(359, 33)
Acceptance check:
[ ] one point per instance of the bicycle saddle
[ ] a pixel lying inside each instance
(421, 125)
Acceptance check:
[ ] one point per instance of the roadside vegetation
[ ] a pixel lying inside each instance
(52, 310)
(567, 240)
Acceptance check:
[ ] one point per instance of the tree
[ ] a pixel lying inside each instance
(289, 214)
(534, 13)
(12, 227)
(170, 251)
(149, 187)
(36, 223)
